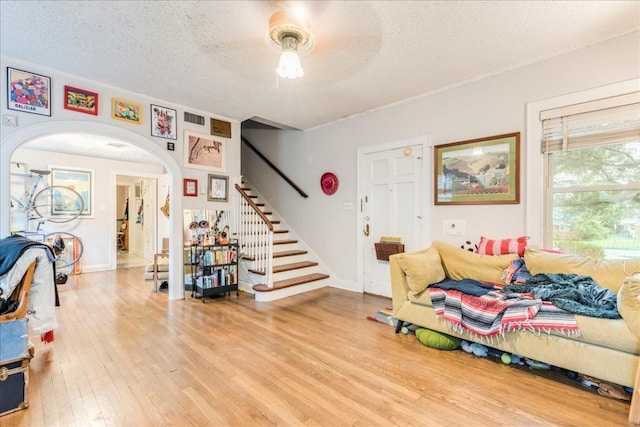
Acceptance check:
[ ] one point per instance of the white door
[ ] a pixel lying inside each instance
(392, 203)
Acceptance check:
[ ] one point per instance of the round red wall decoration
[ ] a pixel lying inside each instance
(329, 183)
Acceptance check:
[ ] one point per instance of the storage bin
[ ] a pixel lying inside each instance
(14, 385)
(383, 250)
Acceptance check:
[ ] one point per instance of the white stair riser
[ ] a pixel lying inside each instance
(289, 259)
(290, 274)
(290, 291)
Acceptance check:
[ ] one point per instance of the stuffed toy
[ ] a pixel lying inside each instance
(475, 349)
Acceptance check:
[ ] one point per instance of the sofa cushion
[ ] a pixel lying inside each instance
(460, 264)
(629, 302)
(422, 268)
(502, 246)
(607, 273)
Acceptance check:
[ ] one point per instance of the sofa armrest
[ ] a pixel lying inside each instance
(399, 284)
(629, 302)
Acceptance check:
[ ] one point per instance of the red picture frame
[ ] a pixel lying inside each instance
(80, 100)
(190, 187)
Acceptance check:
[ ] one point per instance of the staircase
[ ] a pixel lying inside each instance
(275, 264)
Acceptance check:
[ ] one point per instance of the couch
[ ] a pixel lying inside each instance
(608, 349)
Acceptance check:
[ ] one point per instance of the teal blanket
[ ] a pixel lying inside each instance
(573, 293)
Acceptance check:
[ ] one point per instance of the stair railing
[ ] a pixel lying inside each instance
(255, 235)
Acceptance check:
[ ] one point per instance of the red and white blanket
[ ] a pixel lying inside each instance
(497, 312)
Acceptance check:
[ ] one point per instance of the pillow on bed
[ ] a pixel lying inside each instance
(422, 268)
(502, 246)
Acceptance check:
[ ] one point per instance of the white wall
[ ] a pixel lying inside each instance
(61, 121)
(97, 231)
(491, 106)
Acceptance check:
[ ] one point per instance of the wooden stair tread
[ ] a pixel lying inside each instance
(281, 284)
(289, 253)
(288, 267)
(280, 254)
(280, 231)
(284, 242)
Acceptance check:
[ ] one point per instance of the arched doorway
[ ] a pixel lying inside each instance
(13, 141)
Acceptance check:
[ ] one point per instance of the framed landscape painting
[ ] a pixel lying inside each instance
(478, 172)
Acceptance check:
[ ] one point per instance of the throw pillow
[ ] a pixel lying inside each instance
(606, 273)
(422, 268)
(502, 246)
(459, 264)
(437, 340)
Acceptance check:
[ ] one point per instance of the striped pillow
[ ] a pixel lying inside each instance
(503, 246)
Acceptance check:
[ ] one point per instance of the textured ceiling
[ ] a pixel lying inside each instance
(215, 56)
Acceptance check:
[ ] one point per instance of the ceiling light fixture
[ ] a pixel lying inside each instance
(293, 36)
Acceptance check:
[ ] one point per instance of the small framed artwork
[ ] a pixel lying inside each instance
(190, 187)
(28, 92)
(221, 128)
(218, 188)
(80, 100)
(204, 152)
(478, 172)
(126, 111)
(80, 180)
(163, 122)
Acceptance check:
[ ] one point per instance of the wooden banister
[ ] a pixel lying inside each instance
(274, 167)
(255, 207)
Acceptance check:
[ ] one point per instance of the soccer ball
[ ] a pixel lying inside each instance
(469, 246)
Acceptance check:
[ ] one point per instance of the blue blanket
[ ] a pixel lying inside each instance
(466, 286)
(573, 293)
(12, 247)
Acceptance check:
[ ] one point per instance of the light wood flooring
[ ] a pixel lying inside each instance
(125, 356)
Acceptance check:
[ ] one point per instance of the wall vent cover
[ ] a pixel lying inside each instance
(193, 118)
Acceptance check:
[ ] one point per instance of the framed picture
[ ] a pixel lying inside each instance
(478, 172)
(80, 100)
(126, 110)
(204, 152)
(218, 188)
(163, 122)
(190, 187)
(28, 92)
(80, 180)
(221, 128)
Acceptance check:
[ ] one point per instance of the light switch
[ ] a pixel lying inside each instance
(8, 120)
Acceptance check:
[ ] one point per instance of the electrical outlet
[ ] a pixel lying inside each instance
(455, 227)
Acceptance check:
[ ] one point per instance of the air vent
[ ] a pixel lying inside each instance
(193, 118)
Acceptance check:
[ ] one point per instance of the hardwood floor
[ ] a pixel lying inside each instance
(126, 356)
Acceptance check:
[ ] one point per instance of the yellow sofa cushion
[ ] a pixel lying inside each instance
(629, 302)
(606, 273)
(460, 264)
(422, 268)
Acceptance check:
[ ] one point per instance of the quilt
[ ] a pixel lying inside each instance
(497, 312)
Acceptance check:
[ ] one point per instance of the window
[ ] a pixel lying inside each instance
(592, 196)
